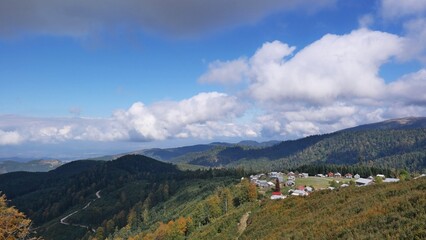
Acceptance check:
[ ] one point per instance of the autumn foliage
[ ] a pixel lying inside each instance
(13, 224)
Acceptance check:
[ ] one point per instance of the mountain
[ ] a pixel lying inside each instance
(399, 143)
(30, 166)
(103, 192)
(169, 154)
(393, 124)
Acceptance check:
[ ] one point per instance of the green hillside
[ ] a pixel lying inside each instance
(380, 211)
(398, 148)
(130, 182)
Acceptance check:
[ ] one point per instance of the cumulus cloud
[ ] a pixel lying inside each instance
(9, 138)
(331, 84)
(334, 67)
(229, 72)
(203, 116)
(184, 17)
(180, 119)
(410, 89)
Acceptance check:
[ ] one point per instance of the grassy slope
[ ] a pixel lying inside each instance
(374, 212)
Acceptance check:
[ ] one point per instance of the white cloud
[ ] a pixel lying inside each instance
(401, 8)
(334, 67)
(415, 37)
(410, 89)
(365, 21)
(229, 72)
(331, 84)
(205, 116)
(181, 119)
(9, 138)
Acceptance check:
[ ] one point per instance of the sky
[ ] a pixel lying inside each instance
(88, 78)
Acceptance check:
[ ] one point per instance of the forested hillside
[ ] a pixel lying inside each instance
(380, 211)
(401, 148)
(130, 182)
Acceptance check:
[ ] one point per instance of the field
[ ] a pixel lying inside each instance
(318, 182)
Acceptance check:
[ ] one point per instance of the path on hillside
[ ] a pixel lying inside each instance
(243, 223)
(63, 220)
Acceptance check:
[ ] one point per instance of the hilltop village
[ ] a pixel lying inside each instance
(280, 185)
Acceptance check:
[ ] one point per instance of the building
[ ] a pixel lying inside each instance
(357, 176)
(298, 193)
(363, 181)
(390, 180)
(348, 175)
(277, 195)
(303, 175)
(381, 175)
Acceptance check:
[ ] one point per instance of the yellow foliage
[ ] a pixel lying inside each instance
(13, 224)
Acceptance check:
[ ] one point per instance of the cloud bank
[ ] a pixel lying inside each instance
(180, 18)
(331, 84)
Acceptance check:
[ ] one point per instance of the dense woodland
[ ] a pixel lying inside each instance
(401, 148)
(130, 181)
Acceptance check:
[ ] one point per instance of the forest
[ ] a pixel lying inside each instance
(130, 182)
(389, 148)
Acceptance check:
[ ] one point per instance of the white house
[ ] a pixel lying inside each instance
(363, 181)
(277, 195)
(298, 193)
(262, 183)
(357, 176)
(389, 180)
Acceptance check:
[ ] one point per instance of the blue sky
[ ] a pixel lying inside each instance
(88, 78)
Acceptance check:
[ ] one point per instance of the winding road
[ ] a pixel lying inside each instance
(63, 220)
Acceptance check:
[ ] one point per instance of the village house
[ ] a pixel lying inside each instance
(262, 183)
(277, 196)
(357, 176)
(303, 175)
(363, 181)
(337, 174)
(390, 180)
(276, 175)
(291, 178)
(381, 175)
(330, 174)
(297, 192)
(348, 175)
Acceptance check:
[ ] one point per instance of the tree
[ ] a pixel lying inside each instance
(378, 179)
(277, 186)
(13, 224)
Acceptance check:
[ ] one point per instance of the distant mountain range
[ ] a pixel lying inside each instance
(30, 166)
(396, 143)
